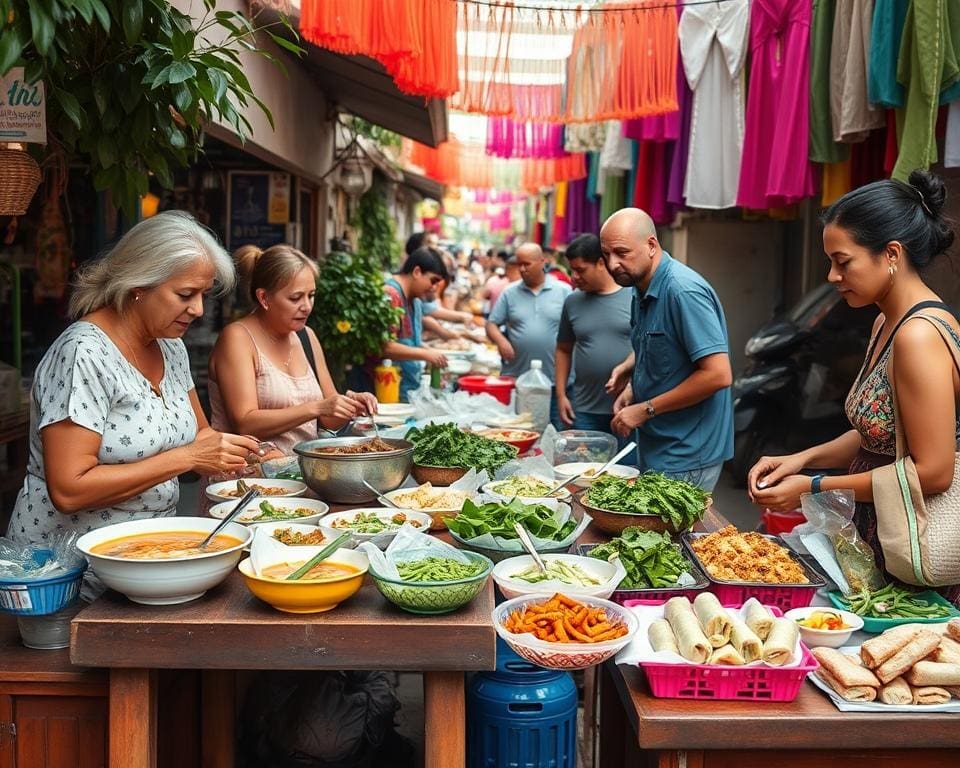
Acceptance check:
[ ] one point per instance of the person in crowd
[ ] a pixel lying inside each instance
(594, 336)
(114, 416)
(512, 269)
(415, 283)
(268, 376)
(495, 284)
(675, 386)
(878, 239)
(433, 312)
(530, 312)
(554, 271)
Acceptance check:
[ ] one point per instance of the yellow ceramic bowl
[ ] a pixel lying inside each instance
(308, 596)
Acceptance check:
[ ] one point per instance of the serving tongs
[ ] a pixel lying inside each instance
(619, 455)
(251, 494)
(527, 544)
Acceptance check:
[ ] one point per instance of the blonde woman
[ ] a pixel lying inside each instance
(262, 381)
(114, 416)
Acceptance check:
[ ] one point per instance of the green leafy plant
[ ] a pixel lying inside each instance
(383, 136)
(446, 445)
(378, 245)
(131, 83)
(352, 315)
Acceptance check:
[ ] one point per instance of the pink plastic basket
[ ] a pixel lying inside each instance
(783, 598)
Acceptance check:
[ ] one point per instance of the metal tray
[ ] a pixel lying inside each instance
(700, 583)
(816, 578)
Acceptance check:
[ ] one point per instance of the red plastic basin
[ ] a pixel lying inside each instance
(782, 522)
(498, 386)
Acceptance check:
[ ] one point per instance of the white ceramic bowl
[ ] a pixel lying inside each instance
(164, 581)
(575, 467)
(339, 522)
(609, 574)
(825, 638)
(563, 655)
(252, 510)
(560, 494)
(328, 533)
(215, 491)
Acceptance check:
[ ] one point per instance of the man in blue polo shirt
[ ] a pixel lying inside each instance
(676, 383)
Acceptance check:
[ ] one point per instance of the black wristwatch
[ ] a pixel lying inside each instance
(651, 411)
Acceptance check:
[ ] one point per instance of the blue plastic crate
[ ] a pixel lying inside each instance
(39, 597)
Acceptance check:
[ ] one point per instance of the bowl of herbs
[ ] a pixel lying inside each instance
(652, 501)
(443, 453)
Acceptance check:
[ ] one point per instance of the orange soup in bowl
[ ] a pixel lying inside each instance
(324, 571)
(164, 545)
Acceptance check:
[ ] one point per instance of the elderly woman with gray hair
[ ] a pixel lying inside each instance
(114, 416)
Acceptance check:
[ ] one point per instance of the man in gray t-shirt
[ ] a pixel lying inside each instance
(593, 338)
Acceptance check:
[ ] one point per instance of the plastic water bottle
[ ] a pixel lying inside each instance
(533, 395)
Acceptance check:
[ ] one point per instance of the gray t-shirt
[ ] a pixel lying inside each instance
(531, 321)
(598, 326)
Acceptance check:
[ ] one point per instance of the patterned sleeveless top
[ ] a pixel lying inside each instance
(869, 404)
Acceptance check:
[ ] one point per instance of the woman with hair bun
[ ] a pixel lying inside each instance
(878, 239)
(114, 416)
(268, 376)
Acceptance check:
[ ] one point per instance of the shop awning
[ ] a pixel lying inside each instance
(425, 186)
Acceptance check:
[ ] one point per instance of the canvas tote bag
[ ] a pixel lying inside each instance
(920, 535)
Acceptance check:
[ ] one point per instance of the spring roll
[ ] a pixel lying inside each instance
(878, 649)
(758, 618)
(726, 655)
(896, 692)
(691, 641)
(930, 694)
(662, 637)
(778, 649)
(844, 668)
(925, 673)
(920, 647)
(713, 618)
(745, 640)
(953, 628)
(853, 693)
(947, 652)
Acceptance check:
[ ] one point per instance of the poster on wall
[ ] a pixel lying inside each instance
(258, 208)
(23, 115)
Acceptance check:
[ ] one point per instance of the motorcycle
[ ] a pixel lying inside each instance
(800, 368)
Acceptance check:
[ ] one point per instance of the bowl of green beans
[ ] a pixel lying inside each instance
(433, 585)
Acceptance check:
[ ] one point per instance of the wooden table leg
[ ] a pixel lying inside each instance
(445, 720)
(613, 730)
(218, 711)
(133, 718)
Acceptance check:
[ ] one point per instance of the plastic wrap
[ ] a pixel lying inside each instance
(54, 557)
(409, 544)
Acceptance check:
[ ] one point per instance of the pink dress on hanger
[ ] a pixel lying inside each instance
(776, 170)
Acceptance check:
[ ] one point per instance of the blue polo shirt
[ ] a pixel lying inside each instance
(678, 321)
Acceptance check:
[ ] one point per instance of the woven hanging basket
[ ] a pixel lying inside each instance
(19, 179)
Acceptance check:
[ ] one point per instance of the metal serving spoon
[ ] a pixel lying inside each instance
(528, 545)
(619, 455)
(251, 494)
(383, 499)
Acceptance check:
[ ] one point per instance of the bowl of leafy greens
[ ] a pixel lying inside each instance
(443, 453)
(651, 501)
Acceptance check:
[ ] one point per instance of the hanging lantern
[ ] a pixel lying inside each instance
(19, 179)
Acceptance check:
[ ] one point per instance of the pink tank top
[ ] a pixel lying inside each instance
(275, 389)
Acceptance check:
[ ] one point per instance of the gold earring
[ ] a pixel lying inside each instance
(892, 270)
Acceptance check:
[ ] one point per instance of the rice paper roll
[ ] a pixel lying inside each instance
(897, 691)
(691, 641)
(778, 649)
(713, 618)
(745, 640)
(726, 655)
(758, 618)
(935, 673)
(662, 637)
(878, 649)
(930, 694)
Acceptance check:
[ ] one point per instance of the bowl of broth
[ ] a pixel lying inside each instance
(322, 589)
(159, 562)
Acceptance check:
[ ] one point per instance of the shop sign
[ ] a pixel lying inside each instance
(258, 208)
(23, 113)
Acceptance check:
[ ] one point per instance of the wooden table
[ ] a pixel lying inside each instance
(229, 629)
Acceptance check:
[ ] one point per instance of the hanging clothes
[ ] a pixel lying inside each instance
(823, 149)
(885, 35)
(836, 182)
(583, 212)
(713, 45)
(851, 114)
(928, 66)
(776, 169)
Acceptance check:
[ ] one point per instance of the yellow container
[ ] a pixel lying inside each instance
(386, 382)
(308, 596)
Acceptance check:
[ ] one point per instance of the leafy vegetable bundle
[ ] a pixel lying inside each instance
(498, 519)
(446, 445)
(651, 559)
(652, 493)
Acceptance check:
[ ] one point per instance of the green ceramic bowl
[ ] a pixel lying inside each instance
(433, 597)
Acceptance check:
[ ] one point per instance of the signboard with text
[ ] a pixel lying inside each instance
(23, 109)
(258, 208)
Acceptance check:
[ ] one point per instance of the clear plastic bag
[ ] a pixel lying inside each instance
(55, 556)
(409, 544)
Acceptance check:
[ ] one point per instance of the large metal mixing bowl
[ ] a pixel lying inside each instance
(338, 477)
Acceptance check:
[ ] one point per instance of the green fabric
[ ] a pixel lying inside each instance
(928, 66)
(614, 195)
(885, 36)
(823, 149)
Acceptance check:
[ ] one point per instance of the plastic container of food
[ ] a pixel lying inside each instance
(778, 523)
(433, 597)
(576, 445)
(875, 625)
(38, 597)
(662, 594)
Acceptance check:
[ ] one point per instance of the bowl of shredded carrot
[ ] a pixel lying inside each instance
(561, 632)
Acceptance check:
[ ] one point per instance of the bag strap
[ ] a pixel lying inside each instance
(308, 351)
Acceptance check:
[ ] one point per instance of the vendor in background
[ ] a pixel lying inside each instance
(114, 415)
(497, 281)
(414, 284)
(675, 386)
(594, 336)
(433, 312)
(268, 375)
(878, 238)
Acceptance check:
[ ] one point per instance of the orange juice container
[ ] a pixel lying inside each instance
(386, 382)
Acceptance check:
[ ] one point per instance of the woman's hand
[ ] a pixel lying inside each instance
(339, 407)
(215, 452)
(366, 400)
(785, 495)
(770, 470)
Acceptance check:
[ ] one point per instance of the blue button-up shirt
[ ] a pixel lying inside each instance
(677, 322)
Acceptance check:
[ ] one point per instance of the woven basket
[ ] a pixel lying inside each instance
(19, 179)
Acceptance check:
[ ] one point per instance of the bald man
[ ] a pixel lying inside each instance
(674, 388)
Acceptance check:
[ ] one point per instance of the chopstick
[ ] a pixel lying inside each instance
(323, 554)
(251, 494)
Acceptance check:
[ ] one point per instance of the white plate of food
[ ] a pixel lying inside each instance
(376, 524)
(525, 486)
(274, 509)
(301, 534)
(428, 498)
(268, 487)
(590, 468)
